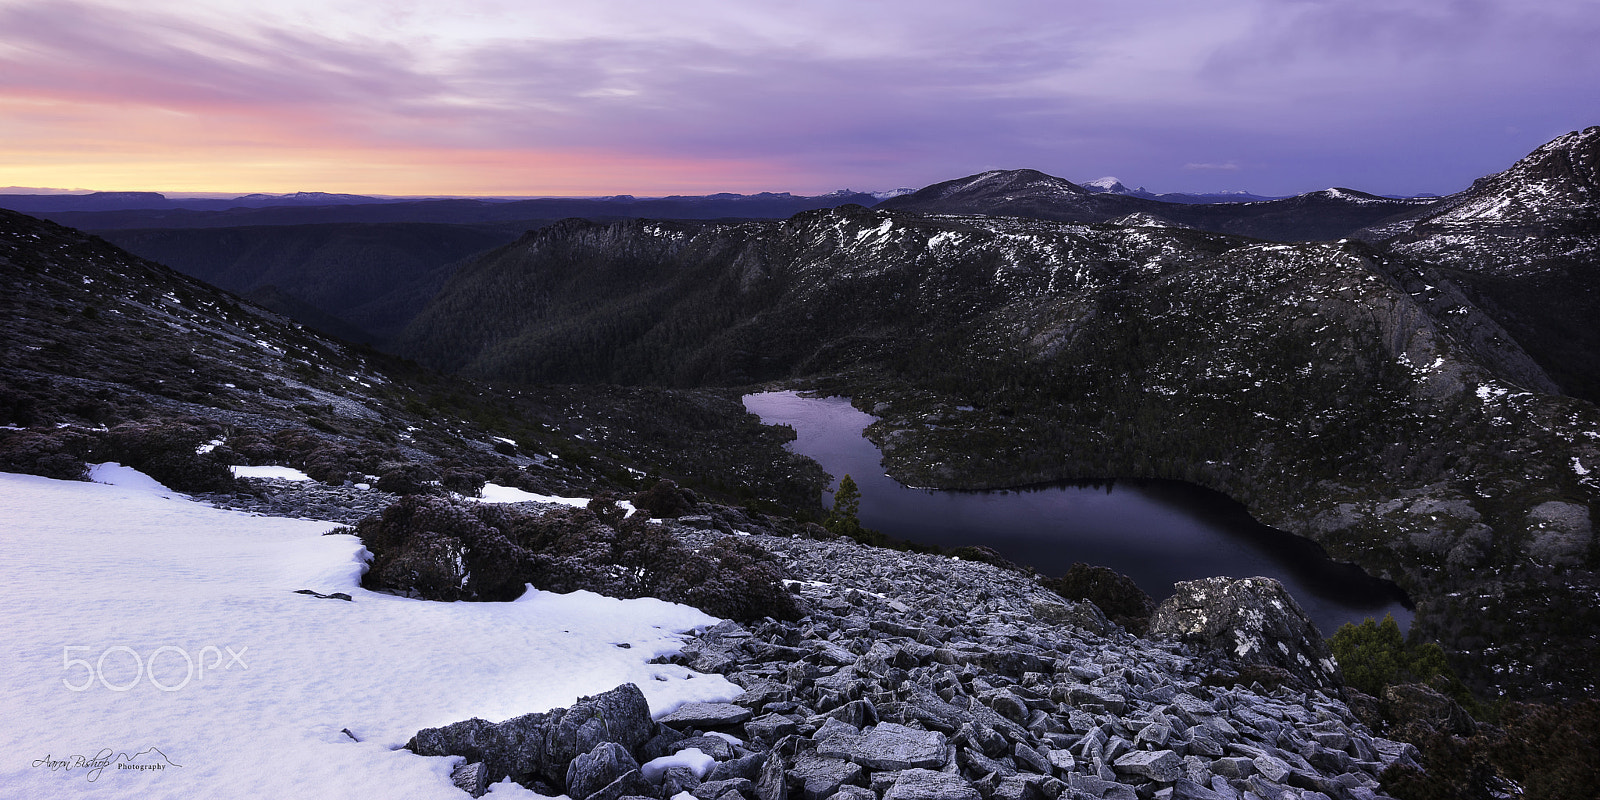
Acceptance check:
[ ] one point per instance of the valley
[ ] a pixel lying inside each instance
(1410, 384)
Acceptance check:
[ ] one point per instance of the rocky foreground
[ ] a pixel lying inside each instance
(923, 677)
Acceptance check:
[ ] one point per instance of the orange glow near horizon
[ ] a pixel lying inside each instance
(64, 145)
(390, 171)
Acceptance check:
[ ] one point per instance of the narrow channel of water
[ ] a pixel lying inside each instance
(1157, 532)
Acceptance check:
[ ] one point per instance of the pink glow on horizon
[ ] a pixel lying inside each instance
(626, 96)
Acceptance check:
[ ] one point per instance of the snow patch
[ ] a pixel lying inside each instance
(269, 472)
(118, 570)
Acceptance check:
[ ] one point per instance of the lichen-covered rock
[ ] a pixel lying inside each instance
(1251, 621)
(925, 784)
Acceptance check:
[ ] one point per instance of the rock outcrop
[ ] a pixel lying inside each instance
(1253, 621)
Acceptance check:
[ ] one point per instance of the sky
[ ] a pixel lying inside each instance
(526, 97)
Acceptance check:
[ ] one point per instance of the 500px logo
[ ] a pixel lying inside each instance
(171, 657)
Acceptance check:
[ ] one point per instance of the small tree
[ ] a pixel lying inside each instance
(1375, 654)
(843, 519)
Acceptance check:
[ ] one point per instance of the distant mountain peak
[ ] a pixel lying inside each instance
(1112, 185)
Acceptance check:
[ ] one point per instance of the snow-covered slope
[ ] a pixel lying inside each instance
(167, 639)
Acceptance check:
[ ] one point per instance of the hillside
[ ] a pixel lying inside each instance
(1525, 243)
(365, 281)
(106, 356)
(1342, 393)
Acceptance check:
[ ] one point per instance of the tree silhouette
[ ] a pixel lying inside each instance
(846, 505)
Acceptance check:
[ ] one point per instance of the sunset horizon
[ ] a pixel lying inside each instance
(630, 98)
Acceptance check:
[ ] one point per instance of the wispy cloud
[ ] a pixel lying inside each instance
(1392, 96)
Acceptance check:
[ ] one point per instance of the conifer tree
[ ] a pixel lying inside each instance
(843, 518)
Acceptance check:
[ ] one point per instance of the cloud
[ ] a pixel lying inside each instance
(811, 96)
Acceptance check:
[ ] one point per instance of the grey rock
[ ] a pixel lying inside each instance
(890, 746)
(1092, 786)
(471, 778)
(820, 777)
(543, 745)
(982, 737)
(976, 765)
(598, 768)
(715, 746)
(1163, 766)
(747, 767)
(1155, 733)
(856, 713)
(1032, 760)
(855, 793)
(1008, 705)
(1251, 621)
(707, 715)
(773, 783)
(1274, 768)
(1185, 789)
(678, 779)
(833, 727)
(1233, 767)
(925, 784)
(1062, 760)
(771, 727)
(629, 784)
(1112, 702)
(734, 789)
(1019, 787)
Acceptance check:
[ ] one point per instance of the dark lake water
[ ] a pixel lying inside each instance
(1156, 532)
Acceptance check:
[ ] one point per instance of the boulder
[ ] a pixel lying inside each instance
(926, 784)
(541, 746)
(819, 777)
(889, 746)
(1163, 766)
(470, 778)
(598, 768)
(707, 715)
(1249, 621)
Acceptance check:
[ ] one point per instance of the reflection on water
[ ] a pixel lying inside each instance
(1157, 532)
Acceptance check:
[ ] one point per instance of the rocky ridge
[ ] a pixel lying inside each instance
(923, 676)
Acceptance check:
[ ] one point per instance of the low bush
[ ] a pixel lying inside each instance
(666, 500)
(1116, 594)
(1539, 752)
(1374, 655)
(168, 451)
(51, 453)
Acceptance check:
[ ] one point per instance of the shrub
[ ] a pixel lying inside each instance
(1374, 655)
(666, 500)
(1542, 752)
(168, 452)
(1117, 595)
(51, 453)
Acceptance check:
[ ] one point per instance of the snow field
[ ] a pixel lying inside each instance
(115, 594)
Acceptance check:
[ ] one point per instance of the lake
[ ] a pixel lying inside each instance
(1156, 532)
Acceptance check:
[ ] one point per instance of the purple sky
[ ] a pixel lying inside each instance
(527, 98)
